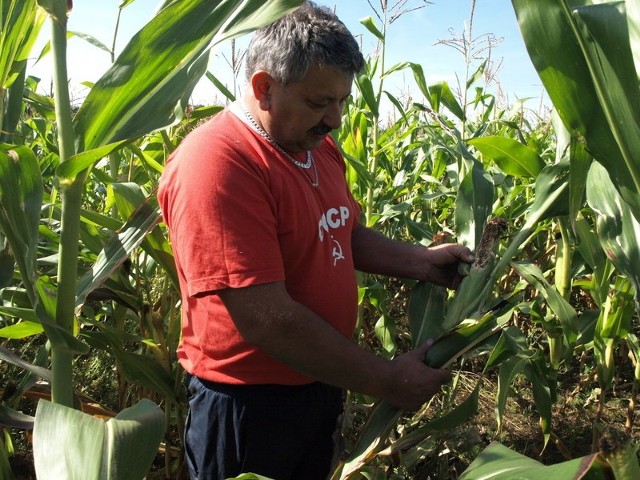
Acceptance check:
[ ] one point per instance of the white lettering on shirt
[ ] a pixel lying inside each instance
(333, 218)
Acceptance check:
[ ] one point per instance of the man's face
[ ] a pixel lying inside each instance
(303, 113)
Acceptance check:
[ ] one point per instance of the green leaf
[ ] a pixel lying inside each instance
(585, 62)
(8, 356)
(544, 393)
(507, 372)
(20, 22)
(138, 369)
(618, 228)
(144, 216)
(385, 333)
(445, 423)
(220, 86)
(441, 93)
(151, 80)
(14, 419)
(69, 169)
(132, 441)
(370, 25)
(21, 330)
(473, 206)
(426, 308)
(562, 308)
(418, 76)
(366, 90)
(497, 462)
(20, 201)
(17, 312)
(605, 42)
(122, 448)
(512, 157)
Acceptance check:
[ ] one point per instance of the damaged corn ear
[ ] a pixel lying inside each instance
(477, 284)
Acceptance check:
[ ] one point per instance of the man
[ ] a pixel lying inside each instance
(266, 237)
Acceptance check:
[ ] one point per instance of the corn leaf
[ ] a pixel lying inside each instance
(443, 424)
(20, 23)
(20, 201)
(366, 90)
(426, 307)
(563, 310)
(8, 356)
(13, 419)
(21, 194)
(497, 462)
(511, 354)
(585, 61)
(134, 204)
(118, 248)
(21, 330)
(138, 369)
(151, 80)
(473, 206)
(618, 228)
(511, 156)
(370, 25)
(73, 445)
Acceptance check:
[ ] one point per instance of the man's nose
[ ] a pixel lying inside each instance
(333, 117)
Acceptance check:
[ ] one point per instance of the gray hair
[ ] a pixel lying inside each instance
(310, 35)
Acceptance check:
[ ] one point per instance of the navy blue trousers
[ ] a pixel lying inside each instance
(278, 431)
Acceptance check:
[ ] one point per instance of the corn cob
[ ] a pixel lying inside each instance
(441, 354)
(477, 285)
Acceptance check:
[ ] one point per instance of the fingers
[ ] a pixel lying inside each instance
(413, 382)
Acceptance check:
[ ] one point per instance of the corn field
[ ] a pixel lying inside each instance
(544, 329)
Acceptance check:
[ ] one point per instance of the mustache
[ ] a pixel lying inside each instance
(320, 129)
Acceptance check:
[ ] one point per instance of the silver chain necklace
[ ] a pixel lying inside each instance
(302, 166)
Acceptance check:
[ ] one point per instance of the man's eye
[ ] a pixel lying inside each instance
(317, 104)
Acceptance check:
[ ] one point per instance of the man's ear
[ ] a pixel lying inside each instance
(261, 84)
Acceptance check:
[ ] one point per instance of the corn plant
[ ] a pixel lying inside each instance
(597, 95)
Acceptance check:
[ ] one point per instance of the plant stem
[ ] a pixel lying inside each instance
(71, 194)
(373, 167)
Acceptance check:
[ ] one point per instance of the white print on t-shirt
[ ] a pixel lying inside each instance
(337, 251)
(333, 218)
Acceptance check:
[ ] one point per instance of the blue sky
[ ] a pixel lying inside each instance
(415, 37)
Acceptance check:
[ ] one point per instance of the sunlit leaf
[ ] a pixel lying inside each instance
(122, 448)
(151, 80)
(511, 156)
(371, 26)
(497, 462)
(585, 61)
(21, 330)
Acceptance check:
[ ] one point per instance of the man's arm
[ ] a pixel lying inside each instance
(267, 317)
(375, 253)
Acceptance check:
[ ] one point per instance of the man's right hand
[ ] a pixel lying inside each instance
(411, 382)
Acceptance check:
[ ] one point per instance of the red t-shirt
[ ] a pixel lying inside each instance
(239, 213)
